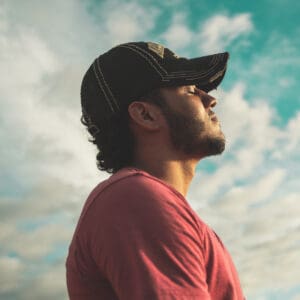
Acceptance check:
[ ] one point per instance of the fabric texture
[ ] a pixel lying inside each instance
(138, 238)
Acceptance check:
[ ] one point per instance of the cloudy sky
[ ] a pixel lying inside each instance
(250, 195)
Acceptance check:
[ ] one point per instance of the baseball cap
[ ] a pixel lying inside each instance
(128, 71)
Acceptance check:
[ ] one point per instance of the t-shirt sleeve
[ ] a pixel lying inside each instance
(147, 243)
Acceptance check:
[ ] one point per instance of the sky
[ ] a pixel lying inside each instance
(250, 194)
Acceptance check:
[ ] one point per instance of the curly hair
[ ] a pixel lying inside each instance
(114, 139)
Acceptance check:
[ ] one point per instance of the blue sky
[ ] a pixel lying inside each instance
(250, 195)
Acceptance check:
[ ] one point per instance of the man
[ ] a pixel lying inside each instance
(150, 115)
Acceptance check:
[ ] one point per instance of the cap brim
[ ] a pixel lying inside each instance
(213, 68)
(205, 72)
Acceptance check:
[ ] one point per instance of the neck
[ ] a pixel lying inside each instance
(177, 173)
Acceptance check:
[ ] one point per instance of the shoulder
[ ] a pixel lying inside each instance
(143, 183)
(131, 192)
(136, 198)
(138, 204)
(130, 186)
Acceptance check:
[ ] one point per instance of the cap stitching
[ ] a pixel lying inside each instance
(183, 72)
(220, 73)
(197, 75)
(215, 59)
(148, 60)
(171, 75)
(217, 75)
(101, 87)
(106, 84)
(151, 56)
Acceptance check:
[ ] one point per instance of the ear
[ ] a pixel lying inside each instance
(145, 114)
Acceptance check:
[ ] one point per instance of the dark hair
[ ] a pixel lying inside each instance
(114, 139)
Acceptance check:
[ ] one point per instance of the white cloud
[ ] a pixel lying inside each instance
(273, 69)
(50, 285)
(3, 22)
(11, 270)
(214, 35)
(286, 82)
(178, 35)
(28, 115)
(220, 30)
(238, 199)
(125, 22)
(40, 242)
(291, 138)
(45, 285)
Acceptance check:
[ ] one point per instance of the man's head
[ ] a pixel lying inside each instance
(128, 74)
(192, 127)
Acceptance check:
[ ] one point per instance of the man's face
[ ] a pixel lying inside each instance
(194, 128)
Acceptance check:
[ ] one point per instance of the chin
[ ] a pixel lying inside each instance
(215, 145)
(209, 146)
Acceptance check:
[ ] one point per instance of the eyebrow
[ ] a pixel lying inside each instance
(186, 87)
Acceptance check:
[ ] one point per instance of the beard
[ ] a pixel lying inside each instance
(191, 135)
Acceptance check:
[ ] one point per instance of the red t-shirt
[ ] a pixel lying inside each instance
(138, 238)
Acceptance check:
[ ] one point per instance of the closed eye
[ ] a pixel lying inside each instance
(192, 92)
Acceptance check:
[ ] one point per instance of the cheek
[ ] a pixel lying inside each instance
(199, 112)
(193, 108)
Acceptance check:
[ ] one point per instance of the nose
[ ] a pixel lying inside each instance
(207, 100)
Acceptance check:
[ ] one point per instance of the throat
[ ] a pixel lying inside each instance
(174, 173)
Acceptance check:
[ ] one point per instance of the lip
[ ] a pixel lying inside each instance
(214, 118)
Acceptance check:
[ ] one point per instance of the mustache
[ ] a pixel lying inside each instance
(211, 113)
